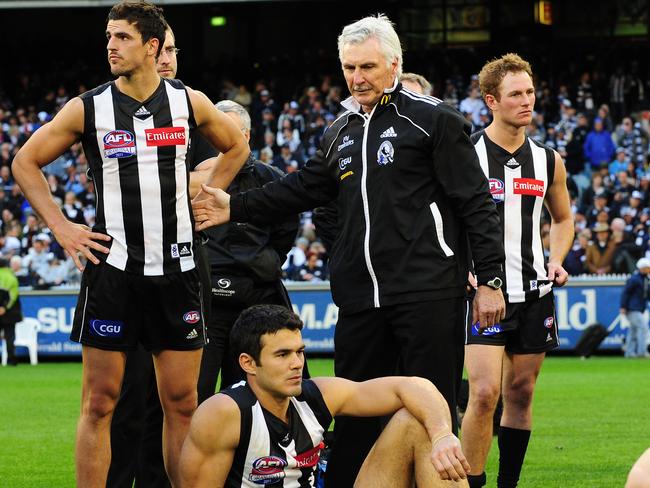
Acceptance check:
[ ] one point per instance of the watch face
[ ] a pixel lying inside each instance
(495, 283)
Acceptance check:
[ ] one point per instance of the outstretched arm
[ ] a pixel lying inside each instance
(562, 232)
(384, 396)
(43, 147)
(209, 448)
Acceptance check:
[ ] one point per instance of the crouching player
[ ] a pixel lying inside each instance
(269, 429)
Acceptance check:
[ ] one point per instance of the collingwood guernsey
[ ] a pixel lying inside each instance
(518, 184)
(274, 454)
(137, 152)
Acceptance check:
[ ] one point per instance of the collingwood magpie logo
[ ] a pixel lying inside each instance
(386, 153)
(390, 132)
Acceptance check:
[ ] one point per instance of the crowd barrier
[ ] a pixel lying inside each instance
(584, 301)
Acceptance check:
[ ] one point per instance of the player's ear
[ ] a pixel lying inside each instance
(490, 101)
(152, 47)
(247, 363)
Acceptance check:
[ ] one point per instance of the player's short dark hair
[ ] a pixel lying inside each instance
(493, 73)
(147, 18)
(254, 322)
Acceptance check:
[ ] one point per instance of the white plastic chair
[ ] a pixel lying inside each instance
(26, 336)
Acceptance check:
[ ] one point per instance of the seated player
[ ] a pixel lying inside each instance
(269, 429)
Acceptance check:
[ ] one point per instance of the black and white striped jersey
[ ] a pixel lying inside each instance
(518, 184)
(137, 152)
(274, 454)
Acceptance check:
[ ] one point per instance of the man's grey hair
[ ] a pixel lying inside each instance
(230, 106)
(379, 27)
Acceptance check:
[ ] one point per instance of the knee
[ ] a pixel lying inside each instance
(519, 394)
(408, 424)
(99, 405)
(484, 397)
(181, 403)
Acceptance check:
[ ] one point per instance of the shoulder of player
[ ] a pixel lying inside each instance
(476, 136)
(216, 422)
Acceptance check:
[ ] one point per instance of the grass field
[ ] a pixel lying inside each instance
(592, 420)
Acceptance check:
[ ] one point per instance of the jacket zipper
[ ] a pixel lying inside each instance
(366, 209)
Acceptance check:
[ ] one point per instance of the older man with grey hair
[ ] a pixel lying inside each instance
(410, 198)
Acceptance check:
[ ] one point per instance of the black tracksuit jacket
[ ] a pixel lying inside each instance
(410, 198)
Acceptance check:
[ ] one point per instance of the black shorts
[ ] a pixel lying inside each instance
(116, 310)
(529, 328)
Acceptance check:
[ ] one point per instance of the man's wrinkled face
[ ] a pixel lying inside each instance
(366, 72)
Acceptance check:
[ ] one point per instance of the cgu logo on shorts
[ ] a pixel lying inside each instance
(489, 331)
(165, 136)
(192, 317)
(267, 469)
(119, 144)
(106, 328)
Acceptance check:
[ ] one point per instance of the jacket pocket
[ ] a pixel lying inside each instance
(439, 229)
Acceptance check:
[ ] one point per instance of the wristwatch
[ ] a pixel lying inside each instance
(495, 283)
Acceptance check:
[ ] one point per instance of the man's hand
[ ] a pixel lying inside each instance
(448, 458)
(489, 307)
(78, 239)
(557, 274)
(211, 207)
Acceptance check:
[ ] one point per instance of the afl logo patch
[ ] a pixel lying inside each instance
(267, 469)
(548, 322)
(224, 283)
(119, 144)
(192, 317)
(497, 189)
(386, 153)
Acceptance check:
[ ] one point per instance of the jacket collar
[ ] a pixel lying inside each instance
(389, 93)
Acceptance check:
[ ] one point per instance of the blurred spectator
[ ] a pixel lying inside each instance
(617, 92)
(620, 162)
(39, 255)
(243, 97)
(575, 160)
(599, 147)
(312, 270)
(574, 263)
(584, 96)
(473, 104)
(21, 273)
(598, 259)
(285, 160)
(72, 209)
(634, 301)
(633, 139)
(296, 257)
(626, 252)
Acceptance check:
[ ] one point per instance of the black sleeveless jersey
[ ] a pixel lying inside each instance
(518, 184)
(274, 454)
(137, 155)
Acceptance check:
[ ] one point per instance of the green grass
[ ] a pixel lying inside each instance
(592, 420)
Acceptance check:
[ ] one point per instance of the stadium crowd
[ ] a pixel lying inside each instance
(598, 124)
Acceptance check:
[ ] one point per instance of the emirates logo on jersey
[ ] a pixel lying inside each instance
(528, 186)
(165, 136)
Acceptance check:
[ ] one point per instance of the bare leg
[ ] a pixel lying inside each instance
(639, 476)
(177, 373)
(400, 457)
(483, 364)
(520, 373)
(101, 382)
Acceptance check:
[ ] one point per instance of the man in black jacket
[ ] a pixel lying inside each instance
(410, 196)
(245, 261)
